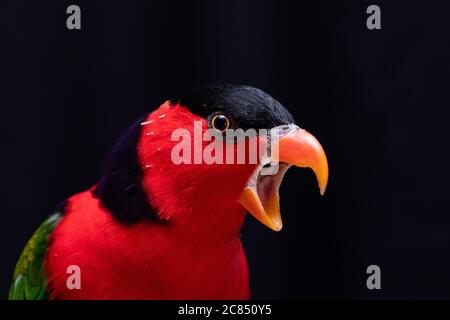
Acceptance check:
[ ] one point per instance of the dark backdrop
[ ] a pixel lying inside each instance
(377, 100)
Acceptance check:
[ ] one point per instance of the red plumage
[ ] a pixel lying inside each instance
(195, 254)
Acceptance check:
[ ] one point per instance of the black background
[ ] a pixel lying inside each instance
(377, 100)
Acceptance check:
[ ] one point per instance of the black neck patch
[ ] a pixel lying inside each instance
(120, 188)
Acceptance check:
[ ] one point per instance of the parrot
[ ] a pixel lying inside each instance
(154, 229)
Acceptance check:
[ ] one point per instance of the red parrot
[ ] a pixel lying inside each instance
(155, 229)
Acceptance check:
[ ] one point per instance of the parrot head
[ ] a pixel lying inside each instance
(180, 166)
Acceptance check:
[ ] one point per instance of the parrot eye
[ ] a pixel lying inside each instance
(220, 122)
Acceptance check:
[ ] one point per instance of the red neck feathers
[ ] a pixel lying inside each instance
(194, 252)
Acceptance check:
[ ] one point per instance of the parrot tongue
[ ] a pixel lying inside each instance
(261, 198)
(296, 147)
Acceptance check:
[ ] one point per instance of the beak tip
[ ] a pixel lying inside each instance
(277, 228)
(275, 224)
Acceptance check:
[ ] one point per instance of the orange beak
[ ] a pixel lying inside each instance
(299, 148)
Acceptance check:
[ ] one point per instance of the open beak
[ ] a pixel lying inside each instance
(297, 147)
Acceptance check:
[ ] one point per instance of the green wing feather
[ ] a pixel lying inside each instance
(29, 281)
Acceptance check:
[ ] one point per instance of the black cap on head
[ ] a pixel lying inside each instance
(247, 106)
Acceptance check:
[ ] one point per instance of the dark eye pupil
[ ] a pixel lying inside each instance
(220, 122)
